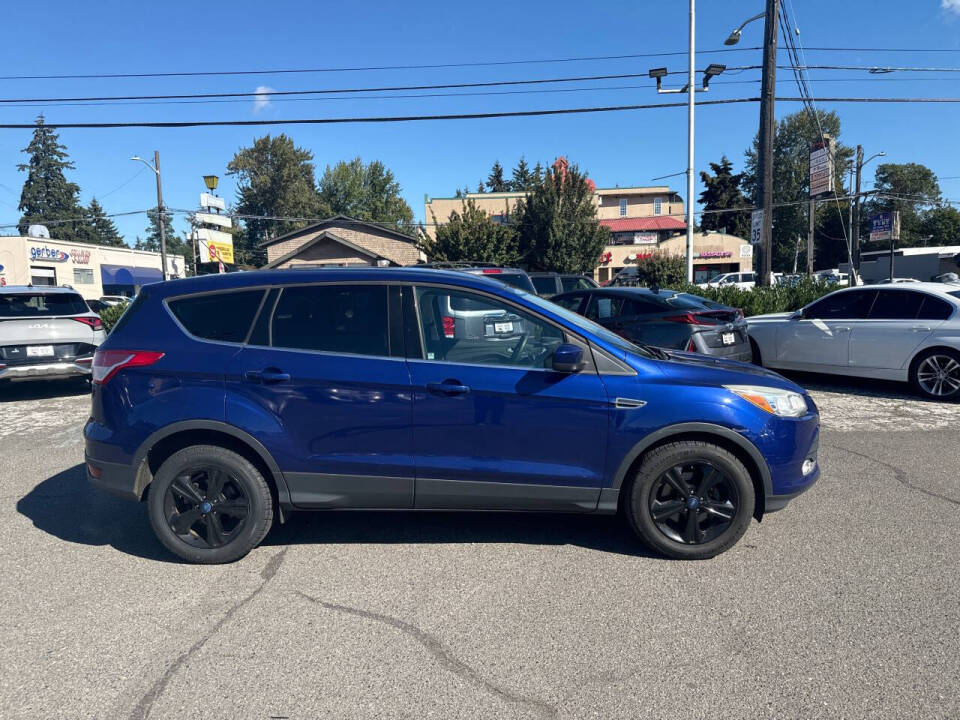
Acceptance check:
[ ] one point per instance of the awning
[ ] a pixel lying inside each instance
(124, 275)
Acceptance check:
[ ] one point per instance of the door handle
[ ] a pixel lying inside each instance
(451, 387)
(268, 376)
(921, 328)
(842, 329)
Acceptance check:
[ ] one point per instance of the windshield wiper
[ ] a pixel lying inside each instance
(655, 351)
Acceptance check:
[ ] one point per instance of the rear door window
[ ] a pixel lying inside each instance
(351, 319)
(603, 307)
(545, 285)
(896, 305)
(29, 305)
(224, 316)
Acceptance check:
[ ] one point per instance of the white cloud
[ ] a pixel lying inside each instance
(261, 100)
(951, 5)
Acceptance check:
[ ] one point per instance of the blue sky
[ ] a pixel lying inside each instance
(628, 148)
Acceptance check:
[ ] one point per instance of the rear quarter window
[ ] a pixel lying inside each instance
(224, 317)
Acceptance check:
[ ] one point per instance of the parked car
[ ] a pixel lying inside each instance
(550, 284)
(225, 401)
(114, 299)
(46, 333)
(665, 319)
(908, 332)
(628, 276)
(742, 280)
(508, 276)
(97, 306)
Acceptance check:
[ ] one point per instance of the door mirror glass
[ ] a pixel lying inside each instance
(568, 358)
(797, 315)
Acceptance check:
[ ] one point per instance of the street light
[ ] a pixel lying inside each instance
(860, 163)
(211, 182)
(711, 72)
(163, 235)
(734, 37)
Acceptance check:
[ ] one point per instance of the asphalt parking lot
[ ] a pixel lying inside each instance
(843, 605)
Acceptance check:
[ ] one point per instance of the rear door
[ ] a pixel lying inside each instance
(494, 427)
(898, 323)
(821, 338)
(323, 375)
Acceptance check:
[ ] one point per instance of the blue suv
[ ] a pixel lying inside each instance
(226, 401)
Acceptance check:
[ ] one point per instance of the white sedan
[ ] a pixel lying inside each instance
(908, 332)
(744, 280)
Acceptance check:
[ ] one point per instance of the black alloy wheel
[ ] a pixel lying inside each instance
(694, 503)
(206, 507)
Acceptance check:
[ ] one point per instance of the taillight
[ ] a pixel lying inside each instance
(491, 271)
(691, 347)
(107, 363)
(94, 322)
(686, 318)
(739, 313)
(449, 326)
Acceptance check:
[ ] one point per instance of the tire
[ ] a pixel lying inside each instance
(926, 378)
(221, 527)
(718, 493)
(756, 358)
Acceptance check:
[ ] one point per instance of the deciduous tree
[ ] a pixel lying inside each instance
(365, 192)
(472, 235)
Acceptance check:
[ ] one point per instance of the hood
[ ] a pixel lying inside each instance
(694, 369)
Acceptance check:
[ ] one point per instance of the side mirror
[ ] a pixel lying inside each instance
(568, 358)
(797, 315)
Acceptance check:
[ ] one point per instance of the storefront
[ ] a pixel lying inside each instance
(713, 253)
(91, 270)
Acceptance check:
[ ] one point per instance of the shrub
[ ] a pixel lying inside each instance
(111, 315)
(662, 269)
(762, 300)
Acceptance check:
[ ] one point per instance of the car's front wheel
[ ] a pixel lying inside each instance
(936, 374)
(209, 505)
(690, 500)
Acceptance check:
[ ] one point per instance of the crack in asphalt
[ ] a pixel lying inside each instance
(142, 709)
(899, 474)
(442, 655)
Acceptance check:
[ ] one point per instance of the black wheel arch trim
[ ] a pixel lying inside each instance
(144, 476)
(700, 428)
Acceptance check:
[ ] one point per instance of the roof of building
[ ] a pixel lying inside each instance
(656, 222)
(635, 190)
(342, 221)
(934, 250)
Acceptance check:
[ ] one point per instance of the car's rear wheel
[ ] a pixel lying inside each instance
(936, 374)
(690, 500)
(755, 357)
(209, 505)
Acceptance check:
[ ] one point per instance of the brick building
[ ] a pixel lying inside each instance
(341, 241)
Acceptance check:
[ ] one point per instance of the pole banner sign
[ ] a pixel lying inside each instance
(885, 226)
(821, 167)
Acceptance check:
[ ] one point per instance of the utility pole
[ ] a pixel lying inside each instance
(767, 135)
(856, 214)
(812, 214)
(691, 94)
(160, 217)
(852, 271)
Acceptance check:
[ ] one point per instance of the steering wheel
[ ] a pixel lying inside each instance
(521, 346)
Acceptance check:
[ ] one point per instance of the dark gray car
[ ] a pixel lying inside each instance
(665, 319)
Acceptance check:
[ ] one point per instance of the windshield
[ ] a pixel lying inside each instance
(587, 325)
(717, 278)
(27, 305)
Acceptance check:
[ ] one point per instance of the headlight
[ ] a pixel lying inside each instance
(779, 402)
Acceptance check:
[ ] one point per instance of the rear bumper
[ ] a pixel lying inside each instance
(113, 478)
(45, 371)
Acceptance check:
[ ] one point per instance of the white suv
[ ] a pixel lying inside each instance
(46, 333)
(743, 280)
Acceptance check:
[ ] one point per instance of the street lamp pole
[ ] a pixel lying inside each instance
(691, 95)
(160, 216)
(856, 199)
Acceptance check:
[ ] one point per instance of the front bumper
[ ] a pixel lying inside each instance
(800, 482)
(45, 371)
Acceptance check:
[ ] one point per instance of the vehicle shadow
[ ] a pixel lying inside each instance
(42, 390)
(866, 387)
(69, 508)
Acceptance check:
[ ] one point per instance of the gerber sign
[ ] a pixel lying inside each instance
(48, 254)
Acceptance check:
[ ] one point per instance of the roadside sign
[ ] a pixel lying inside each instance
(209, 201)
(885, 226)
(756, 226)
(821, 167)
(215, 246)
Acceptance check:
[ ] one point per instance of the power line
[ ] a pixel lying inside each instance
(458, 116)
(433, 66)
(874, 68)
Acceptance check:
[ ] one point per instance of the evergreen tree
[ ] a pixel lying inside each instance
(910, 189)
(471, 235)
(99, 228)
(522, 176)
(537, 175)
(722, 192)
(942, 226)
(152, 241)
(47, 198)
(495, 181)
(557, 222)
(365, 192)
(480, 187)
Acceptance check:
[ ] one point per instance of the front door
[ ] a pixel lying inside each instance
(494, 427)
(324, 381)
(821, 338)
